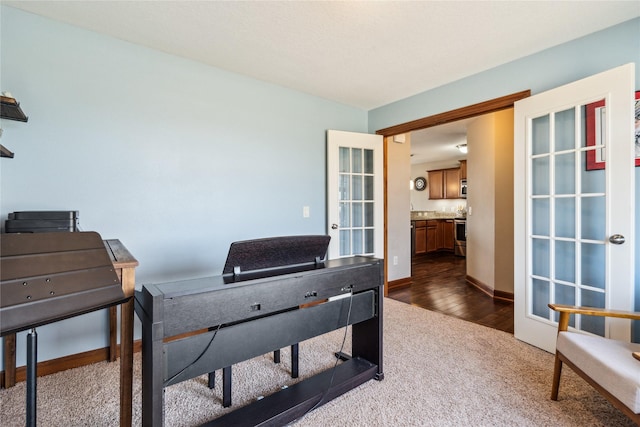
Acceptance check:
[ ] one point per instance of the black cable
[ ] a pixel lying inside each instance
(173, 377)
(335, 366)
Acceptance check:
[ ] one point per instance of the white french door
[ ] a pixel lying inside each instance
(355, 211)
(574, 205)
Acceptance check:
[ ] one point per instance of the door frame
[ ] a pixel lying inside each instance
(481, 108)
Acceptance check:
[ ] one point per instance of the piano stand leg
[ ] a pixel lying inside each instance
(212, 380)
(226, 386)
(342, 356)
(276, 356)
(294, 360)
(32, 367)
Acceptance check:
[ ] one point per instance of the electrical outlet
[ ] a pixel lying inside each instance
(395, 260)
(306, 212)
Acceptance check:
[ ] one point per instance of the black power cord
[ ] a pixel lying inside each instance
(335, 366)
(176, 375)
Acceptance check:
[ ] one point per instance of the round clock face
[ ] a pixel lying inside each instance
(420, 183)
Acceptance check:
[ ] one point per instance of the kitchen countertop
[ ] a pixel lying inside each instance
(424, 215)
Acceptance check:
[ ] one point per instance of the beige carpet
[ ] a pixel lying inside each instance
(439, 371)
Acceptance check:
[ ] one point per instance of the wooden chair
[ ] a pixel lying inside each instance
(612, 367)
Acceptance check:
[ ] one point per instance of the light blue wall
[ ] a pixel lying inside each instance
(545, 70)
(174, 158)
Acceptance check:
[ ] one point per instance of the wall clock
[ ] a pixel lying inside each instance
(420, 183)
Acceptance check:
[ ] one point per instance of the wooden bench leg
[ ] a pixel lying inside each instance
(9, 360)
(113, 333)
(557, 370)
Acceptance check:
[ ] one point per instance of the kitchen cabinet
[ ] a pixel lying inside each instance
(463, 169)
(432, 235)
(448, 239)
(420, 233)
(436, 184)
(452, 183)
(444, 184)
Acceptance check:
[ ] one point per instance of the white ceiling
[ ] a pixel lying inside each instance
(437, 144)
(361, 53)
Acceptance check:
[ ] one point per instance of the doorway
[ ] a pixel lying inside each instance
(496, 105)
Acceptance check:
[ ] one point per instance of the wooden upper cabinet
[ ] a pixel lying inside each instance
(463, 169)
(452, 183)
(444, 184)
(436, 184)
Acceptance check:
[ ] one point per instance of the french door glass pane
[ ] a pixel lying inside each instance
(343, 191)
(356, 186)
(368, 241)
(345, 215)
(565, 294)
(540, 254)
(592, 324)
(357, 215)
(357, 242)
(540, 135)
(565, 173)
(593, 265)
(345, 242)
(368, 187)
(540, 298)
(565, 124)
(593, 211)
(368, 214)
(540, 217)
(566, 217)
(357, 160)
(345, 159)
(565, 261)
(368, 161)
(540, 176)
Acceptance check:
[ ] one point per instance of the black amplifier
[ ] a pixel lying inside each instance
(42, 221)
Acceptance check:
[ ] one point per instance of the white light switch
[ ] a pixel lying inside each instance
(305, 212)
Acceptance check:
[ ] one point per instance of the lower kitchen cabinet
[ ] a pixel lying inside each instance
(433, 235)
(448, 239)
(420, 230)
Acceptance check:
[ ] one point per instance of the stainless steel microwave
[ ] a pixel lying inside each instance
(463, 188)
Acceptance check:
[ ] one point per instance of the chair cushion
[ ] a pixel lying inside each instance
(608, 362)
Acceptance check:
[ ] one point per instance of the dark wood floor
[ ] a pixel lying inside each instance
(439, 284)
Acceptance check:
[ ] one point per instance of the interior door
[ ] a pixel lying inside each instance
(355, 194)
(574, 205)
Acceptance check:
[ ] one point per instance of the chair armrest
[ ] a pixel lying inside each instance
(566, 310)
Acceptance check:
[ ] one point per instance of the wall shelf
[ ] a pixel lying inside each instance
(5, 152)
(10, 109)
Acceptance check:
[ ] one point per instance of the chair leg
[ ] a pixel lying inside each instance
(226, 386)
(294, 360)
(557, 370)
(276, 356)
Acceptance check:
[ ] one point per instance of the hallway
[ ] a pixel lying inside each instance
(439, 285)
